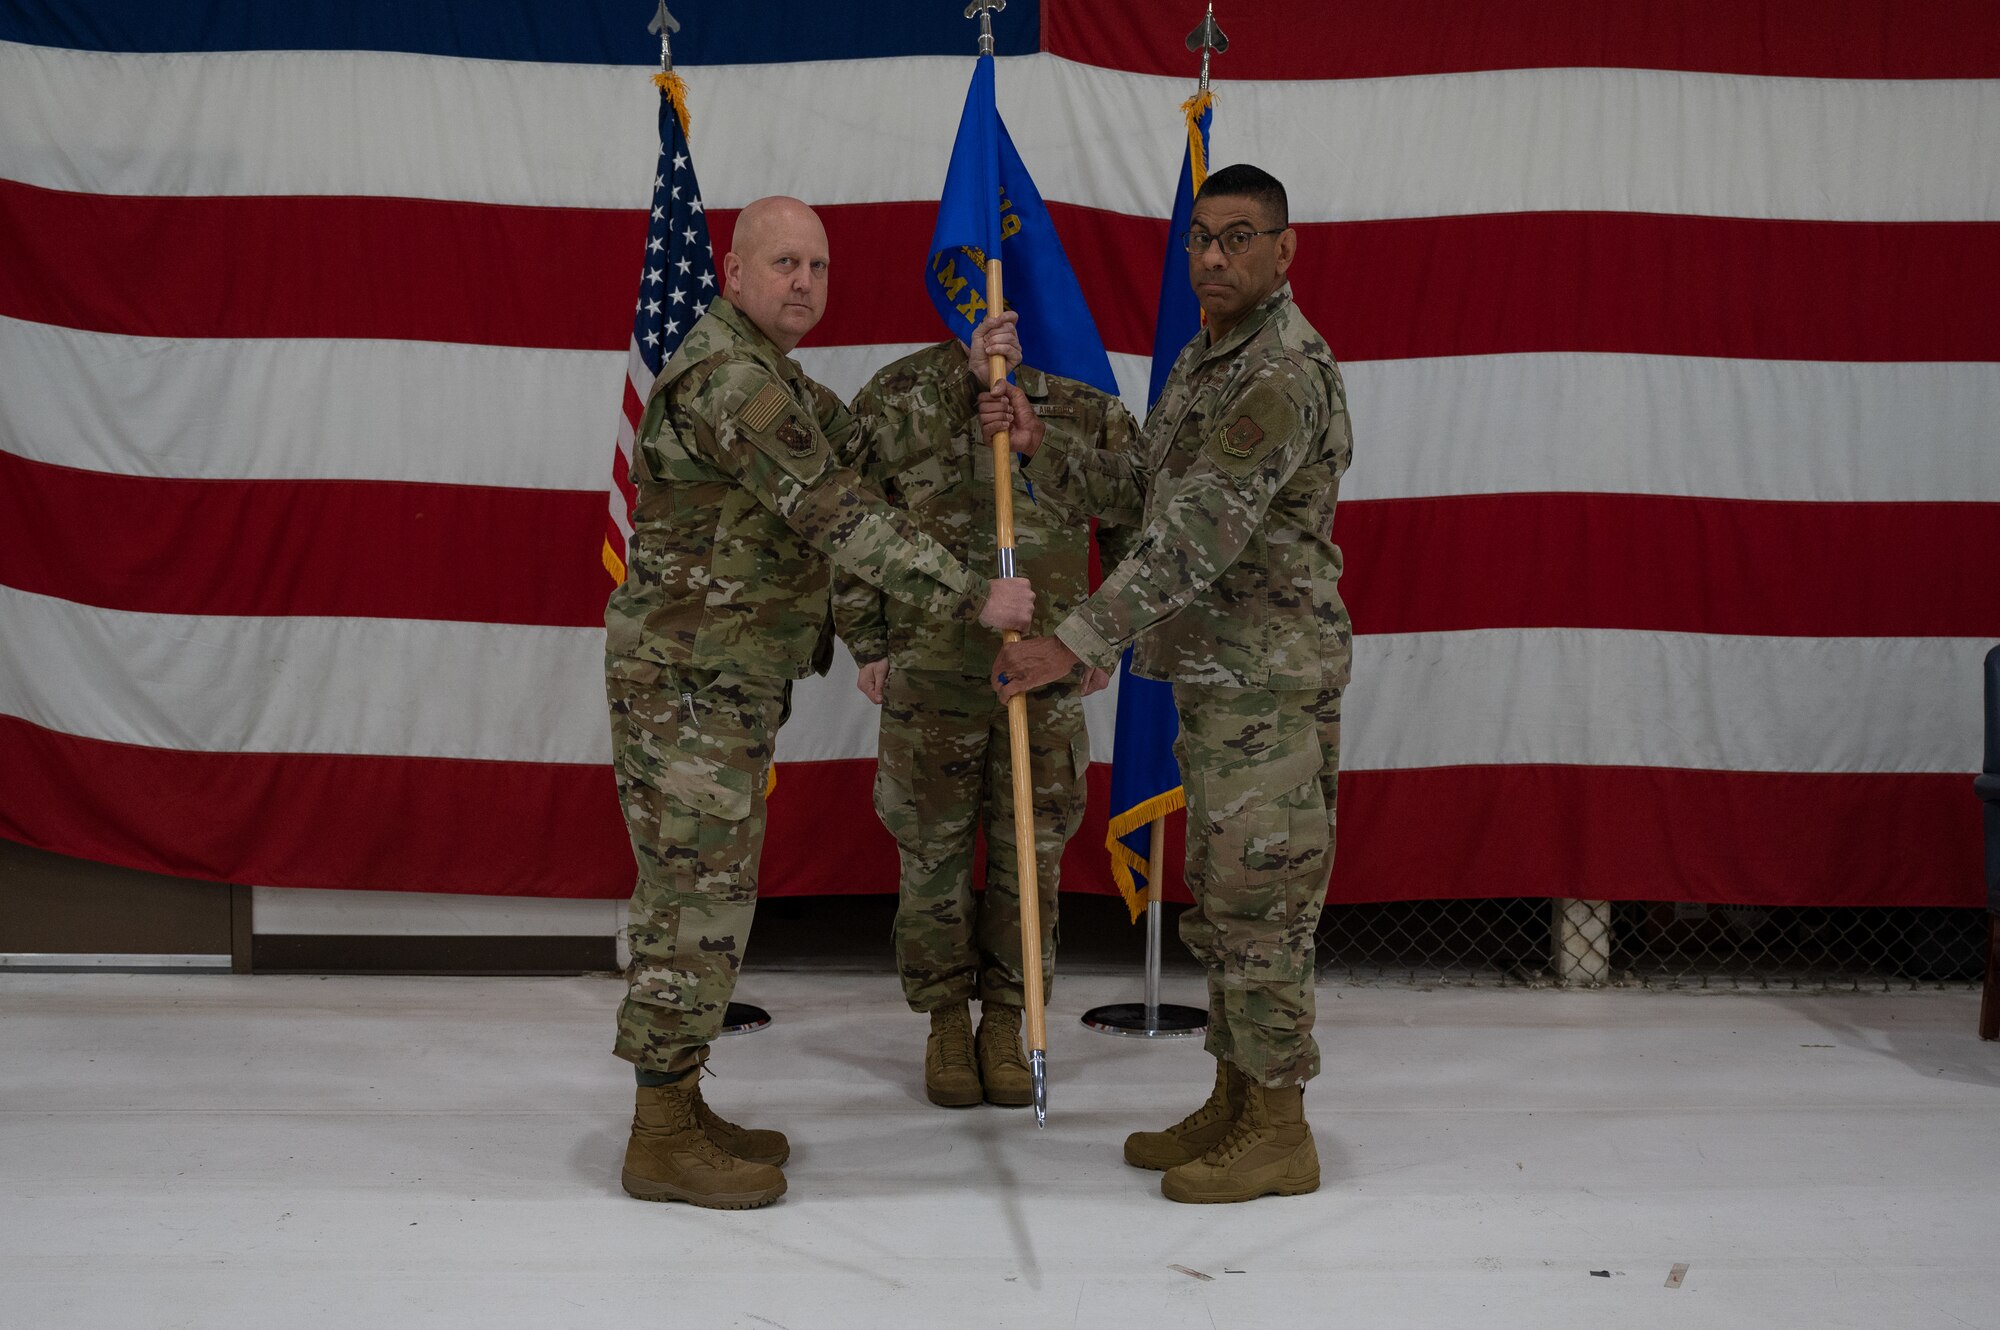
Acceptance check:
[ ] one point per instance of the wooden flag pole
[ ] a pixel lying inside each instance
(1026, 876)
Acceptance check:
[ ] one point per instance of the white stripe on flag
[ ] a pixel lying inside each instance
(881, 130)
(305, 685)
(421, 411)
(1591, 697)
(639, 377)
(1870, 432)
(1601, 697)
(275, 409)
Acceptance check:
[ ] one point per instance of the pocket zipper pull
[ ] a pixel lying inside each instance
(687, 702)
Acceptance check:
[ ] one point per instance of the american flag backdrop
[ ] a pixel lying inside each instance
(1668, 331)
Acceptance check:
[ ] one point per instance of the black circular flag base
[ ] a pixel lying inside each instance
(742, 1018)
(1128, 1020)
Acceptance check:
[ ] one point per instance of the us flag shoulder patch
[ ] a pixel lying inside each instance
(764, 408)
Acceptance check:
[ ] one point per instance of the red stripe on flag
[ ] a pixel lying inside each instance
(1514, 282)
(291, 547)
(1644, 283)
(506, 828)
(621, 481)
(331, 266)
(317, 820)
(377, 549)
(1352, 39)
(1647, 833)
(1671, 565)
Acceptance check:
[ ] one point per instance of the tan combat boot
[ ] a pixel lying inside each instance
(1197, 1133)
(1270, 1151)
(950, 1076)
(670, 1157)
(753, 1145)
(1003, 1067)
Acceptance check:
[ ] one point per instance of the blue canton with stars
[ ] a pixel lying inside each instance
(678, 280)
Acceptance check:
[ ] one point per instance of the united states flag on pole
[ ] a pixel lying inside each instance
(676, 282)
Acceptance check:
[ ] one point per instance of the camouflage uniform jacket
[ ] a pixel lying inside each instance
(1233, 575)
(746, 491)
(920, 445)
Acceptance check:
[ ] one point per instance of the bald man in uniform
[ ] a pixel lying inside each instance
(746, 499)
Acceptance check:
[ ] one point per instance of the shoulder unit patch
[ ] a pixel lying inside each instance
(1242, 437)
(798, 440)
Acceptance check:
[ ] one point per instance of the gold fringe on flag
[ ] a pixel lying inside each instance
(1194, 107)
(1124, 863)
(670, 83)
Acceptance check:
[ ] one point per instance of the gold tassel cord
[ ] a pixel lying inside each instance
(670, 83)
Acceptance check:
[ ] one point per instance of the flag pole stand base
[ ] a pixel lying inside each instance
(742, 1018)
(1132, 1020)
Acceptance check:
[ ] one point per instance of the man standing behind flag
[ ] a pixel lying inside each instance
(744, 495)
(1231, 594)
(945, 764)
(942, 770)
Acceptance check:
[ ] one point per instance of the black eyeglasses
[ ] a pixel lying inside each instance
(1236, 240)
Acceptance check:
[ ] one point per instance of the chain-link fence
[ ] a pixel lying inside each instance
(1656, 944)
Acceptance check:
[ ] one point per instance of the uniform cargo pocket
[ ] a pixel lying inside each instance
(660, 746)
(700, 782)
(1269, 810)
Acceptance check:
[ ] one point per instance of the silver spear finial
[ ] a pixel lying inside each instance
(1208, 39)
(664, 24)
(984, 10)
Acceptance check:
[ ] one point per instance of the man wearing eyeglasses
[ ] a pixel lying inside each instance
(1230, 592)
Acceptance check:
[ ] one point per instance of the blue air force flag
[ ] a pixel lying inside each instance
(1145, 778)
(990, 207)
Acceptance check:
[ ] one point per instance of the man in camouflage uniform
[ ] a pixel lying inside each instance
(1231, 594)
(745, 492)
(945, 767)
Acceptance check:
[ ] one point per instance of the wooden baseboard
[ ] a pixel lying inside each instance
(359, 953)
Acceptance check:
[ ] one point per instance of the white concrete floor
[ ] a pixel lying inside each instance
(207, 1151)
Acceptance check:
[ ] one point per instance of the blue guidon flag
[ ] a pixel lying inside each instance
(990, 206)
(1145, 778)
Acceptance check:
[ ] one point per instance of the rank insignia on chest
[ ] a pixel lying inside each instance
(1241, 437)
(798, 440)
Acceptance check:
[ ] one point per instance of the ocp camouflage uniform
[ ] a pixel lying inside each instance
(944, 768)
(1231, 593)
(745, 491)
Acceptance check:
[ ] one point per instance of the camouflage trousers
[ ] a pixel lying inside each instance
(946, 772)
(692, 750)
(1259, 767)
